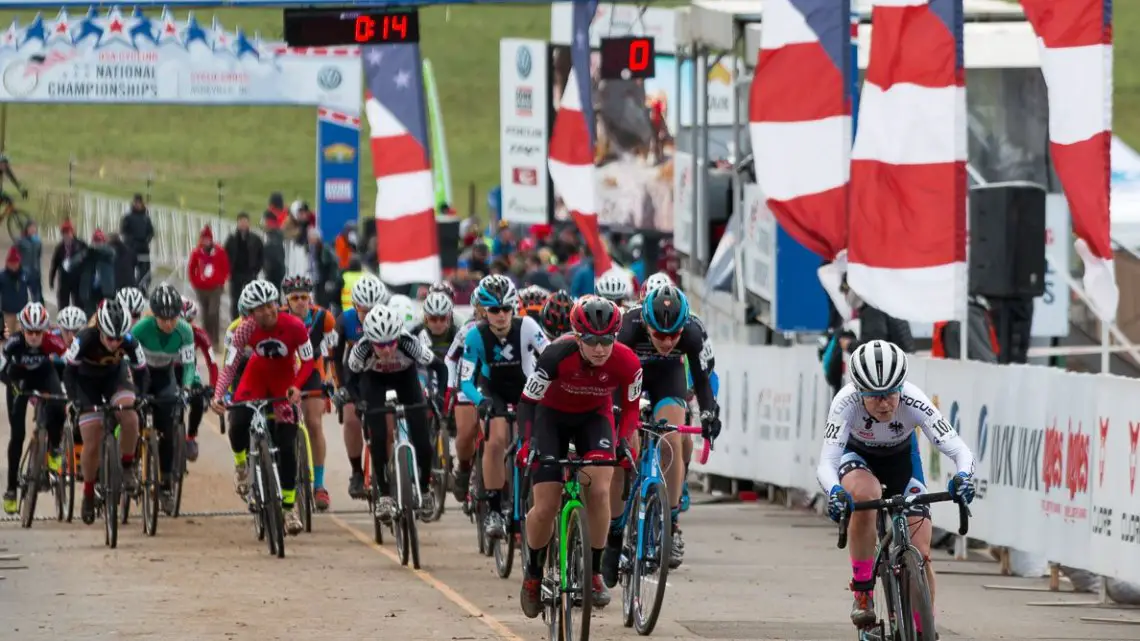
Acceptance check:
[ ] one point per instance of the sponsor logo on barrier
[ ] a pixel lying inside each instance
(1017, 453)
(1066, 466)
(524, 132)
(524, 176)
(338, 190)
(1100, 462)
(1133, 436)
(524, 101)
(338, 153)
(983, 431)
(525, 150)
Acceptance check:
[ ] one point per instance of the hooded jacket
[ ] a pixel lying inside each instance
(209, 267)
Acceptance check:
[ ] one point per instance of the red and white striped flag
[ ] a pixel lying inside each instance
(1076, 59)
(406, 241)
(907, 231)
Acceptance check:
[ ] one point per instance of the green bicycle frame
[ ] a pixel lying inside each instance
(571, 490)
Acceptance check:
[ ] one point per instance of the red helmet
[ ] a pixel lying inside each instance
(595, 315)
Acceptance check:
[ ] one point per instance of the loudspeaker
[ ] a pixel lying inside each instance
(1007, 240)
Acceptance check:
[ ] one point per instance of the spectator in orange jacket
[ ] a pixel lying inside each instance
(208, 271)
(347, 245)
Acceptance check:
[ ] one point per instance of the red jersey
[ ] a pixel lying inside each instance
(202, 342)
(282, 345)
(565, 381)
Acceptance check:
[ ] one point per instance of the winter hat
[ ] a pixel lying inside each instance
(98, 236)
(13, 256)
(207, 234)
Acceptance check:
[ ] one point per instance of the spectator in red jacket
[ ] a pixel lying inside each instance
(209, 270)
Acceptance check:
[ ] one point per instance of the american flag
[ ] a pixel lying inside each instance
(800, 119)
(1076, 60)
(572, 141)
(406, 241)
(907, 230)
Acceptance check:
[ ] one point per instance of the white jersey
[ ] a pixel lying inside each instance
(849, 421)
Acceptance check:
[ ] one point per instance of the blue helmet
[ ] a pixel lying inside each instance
(665, 310)
(496, 291)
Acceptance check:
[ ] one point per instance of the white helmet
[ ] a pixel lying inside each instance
(255, 294)
(404, 308)
(132, 299)
(878, 367)
(34, 317)
(383, 325)
(437, 304)
(369, 292)
(614, 285)
(71, 318)
(656, 281)
(113, 318)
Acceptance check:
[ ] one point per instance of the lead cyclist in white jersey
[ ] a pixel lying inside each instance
(871, 441)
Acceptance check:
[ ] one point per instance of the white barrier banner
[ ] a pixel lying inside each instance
(523, 130)
(1056, 452)
(683, 184)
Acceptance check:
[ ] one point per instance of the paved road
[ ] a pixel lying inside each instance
(752, 572)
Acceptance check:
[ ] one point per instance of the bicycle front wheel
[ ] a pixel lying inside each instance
(151, 482)
(651, 558)
(30, 471)
(440, 471)
(271, 501)
(917, 617)
(111, 477)
(577, 579)
(178, 466)
(304, 481)
(504, 548)
(65, 488)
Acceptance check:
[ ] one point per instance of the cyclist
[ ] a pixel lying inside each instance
(466, 417)
(68, 322)
(503, 348)
(661, 332)
(615, 286)
(404, 308)
(198, 399)
(655, 281)
(278, 342)
(133, 301)
(438, 329)
(556, 314)
(321, 327)
(386, 358)
(871, 440)
(569, 399)
(25, 364)
(168, 344)
(96, 373)
(531, 301)
(367, 293)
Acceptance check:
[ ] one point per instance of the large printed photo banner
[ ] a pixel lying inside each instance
(141, 59)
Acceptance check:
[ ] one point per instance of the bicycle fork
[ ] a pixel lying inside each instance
(403, 446)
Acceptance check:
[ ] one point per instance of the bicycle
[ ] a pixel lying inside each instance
(648, 540)
(402, 465)
(567, 581)
(109, 496)
(306, 499)
(35, 475)
(900, 567)
(514, 496)
(440, 481)
(17, 219)
(475, 507)
(264, 498)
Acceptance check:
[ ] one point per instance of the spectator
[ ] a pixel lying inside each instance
(274, 249)
(835, 348)
(300, 219)
(353, 272)
(582, 278)
(536, 274)
(124, 262)
(347, 245)
(14, 290)
(982, 342)
(637, 264)
(504, 244)
(138, 232)
(475, 260)
(97, 274)
(276, 209)
(208, 272)
(66, 264)
(323, 267)
(31, 257)
(245, 252)
(565, 246)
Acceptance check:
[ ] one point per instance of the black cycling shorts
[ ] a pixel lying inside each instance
(665, 384)
(98, 390)
(592, 434)
(899, 469)
(314, 382)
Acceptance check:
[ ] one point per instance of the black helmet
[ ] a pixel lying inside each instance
(556, 314)
(166, 302)
(596, 316)
(297, 284)
(665, 309)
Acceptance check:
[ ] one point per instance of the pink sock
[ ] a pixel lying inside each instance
(862, 570)
(917, 623)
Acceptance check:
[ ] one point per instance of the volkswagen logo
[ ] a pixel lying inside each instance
(329, 78)
(523, 62)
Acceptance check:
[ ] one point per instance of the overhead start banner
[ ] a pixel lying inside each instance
(139, 59)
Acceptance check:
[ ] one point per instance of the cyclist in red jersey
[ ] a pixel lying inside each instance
(198, 401)
(278, 341)
(569, 398)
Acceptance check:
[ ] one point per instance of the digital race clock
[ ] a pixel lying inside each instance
(627, 58)
(350, 26)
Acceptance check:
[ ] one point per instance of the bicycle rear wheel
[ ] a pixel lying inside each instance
(579, 591)
(504, 548)
(31, 468)
(150, 483)
(271, 501)
(305, 499)
(915, 600)
(111, 478)
(651, 558)
(440, 470)
(65, 488)
(178, 466)
(480, 504)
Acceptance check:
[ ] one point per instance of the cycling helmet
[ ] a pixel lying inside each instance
(369, 292)
(189, 309)
(445, 288)
(113, 319)
(496, 291)
(404, 308)
(34, 317)
(531, 300)
(166, 302)
(556, 314)
(132, 299)
(297, 284)
(658, 280)
(257, 293)
(614, 285)
(71, 319)
(383, 325)
(878, 367)
(596, 316)
(665, 310)
(437, 304)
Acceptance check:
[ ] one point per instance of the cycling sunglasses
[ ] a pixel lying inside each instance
(663, 336)
(883, 394)
(499, 310)
(297, 296)
(33, 332)
(435, 319)
(597, 339)
(386, 345)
